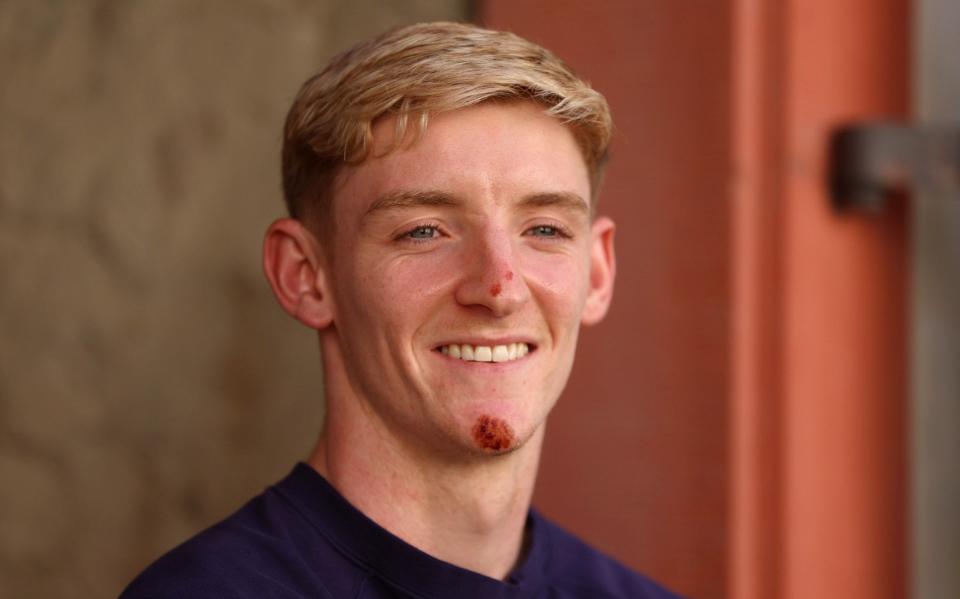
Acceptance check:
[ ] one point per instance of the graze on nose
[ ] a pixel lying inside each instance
(496, 289)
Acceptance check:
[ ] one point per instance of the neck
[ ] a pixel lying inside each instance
(469, 512)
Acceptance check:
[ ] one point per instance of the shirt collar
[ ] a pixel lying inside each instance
(376, 549)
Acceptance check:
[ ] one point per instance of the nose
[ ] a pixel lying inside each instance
(491, 278)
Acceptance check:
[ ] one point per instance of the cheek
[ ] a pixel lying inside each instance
(561, 281)
(403, 286)
(420, 276)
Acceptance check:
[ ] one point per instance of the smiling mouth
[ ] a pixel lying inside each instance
(486, 353)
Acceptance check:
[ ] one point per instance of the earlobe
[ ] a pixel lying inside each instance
(293, 266)
(603, 270)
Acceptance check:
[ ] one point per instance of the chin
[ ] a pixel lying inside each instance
(493, 434)
(497, 433)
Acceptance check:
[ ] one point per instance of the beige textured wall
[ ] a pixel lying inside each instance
(148, 383)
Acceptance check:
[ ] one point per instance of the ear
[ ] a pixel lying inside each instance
(293, 263)
(603, 270)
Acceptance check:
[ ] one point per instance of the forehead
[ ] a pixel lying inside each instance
(494, 152)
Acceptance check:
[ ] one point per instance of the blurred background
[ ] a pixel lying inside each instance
(770, 411)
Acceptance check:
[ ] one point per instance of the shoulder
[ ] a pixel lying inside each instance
(193, 569)
(575, 569)
(252, 554)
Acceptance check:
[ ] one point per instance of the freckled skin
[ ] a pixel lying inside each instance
(509, 275)
(492, 434)
(495, 289)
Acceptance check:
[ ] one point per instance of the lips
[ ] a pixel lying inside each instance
(485, 353)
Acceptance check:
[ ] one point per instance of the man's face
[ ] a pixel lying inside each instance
(475, 242)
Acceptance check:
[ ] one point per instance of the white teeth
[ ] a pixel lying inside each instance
(486, 353)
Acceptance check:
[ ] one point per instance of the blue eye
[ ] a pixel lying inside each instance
(549, 232)
(544, 231)
(422, 232)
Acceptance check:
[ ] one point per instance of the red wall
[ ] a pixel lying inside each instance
(845, 325)
(737, 427)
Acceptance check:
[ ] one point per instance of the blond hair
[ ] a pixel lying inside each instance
(415, 71)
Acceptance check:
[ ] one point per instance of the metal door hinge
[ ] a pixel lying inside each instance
(871, 162)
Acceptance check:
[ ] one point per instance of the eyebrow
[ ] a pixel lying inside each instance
(410, 199)
(558, 199)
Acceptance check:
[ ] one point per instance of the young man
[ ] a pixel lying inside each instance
(441, 181)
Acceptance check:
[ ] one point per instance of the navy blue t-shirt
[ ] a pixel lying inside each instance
(301, 538)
